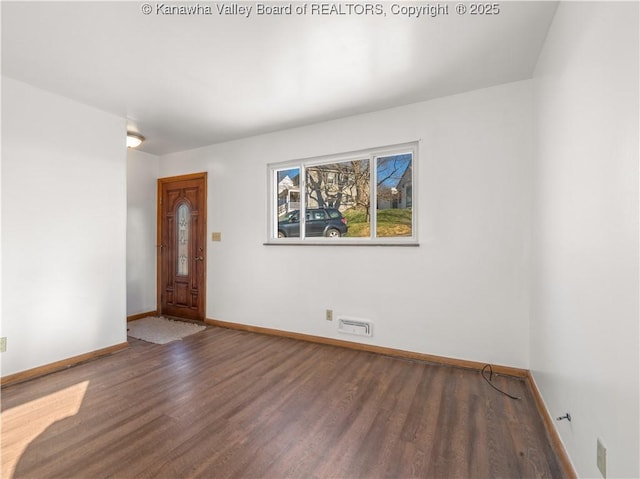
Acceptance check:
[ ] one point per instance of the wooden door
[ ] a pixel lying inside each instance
(182, 217)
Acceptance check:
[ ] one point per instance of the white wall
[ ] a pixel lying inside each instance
(63, 228)
(142, 176)
(463, 293)
(584, 315)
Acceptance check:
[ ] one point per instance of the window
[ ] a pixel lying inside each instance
(182, 266)
(358, 198)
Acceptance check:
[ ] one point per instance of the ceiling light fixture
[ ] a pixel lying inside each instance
(134, 139)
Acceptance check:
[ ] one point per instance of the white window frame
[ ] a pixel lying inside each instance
(371, 155)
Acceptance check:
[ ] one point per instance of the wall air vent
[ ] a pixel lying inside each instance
(360, 327)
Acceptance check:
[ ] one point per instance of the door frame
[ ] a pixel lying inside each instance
(159, 231)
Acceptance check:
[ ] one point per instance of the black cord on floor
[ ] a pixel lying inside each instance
(491, 384)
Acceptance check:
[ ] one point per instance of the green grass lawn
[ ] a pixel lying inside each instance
(391, 222)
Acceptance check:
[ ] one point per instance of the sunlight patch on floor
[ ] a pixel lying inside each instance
(18, 432)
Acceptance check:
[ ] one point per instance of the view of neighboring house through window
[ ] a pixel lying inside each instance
(361, 196)
(344, 186)
(288, 195)
(393, 205)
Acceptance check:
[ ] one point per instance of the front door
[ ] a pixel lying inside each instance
(182, 217)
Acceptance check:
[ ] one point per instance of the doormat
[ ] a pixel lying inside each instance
(160, 330)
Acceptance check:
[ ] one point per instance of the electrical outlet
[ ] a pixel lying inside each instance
(329, 315)
(602, 458)
(3, 345)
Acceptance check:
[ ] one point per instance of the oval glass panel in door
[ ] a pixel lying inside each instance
(184, 214)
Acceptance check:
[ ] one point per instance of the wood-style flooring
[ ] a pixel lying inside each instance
(225, 403)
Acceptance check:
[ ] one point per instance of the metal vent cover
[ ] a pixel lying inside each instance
(359, 327)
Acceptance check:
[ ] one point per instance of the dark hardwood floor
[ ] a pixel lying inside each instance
(225, 403)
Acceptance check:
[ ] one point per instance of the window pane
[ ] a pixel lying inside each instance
(394, 216)
(288, 204)
(184, 215)
(341, 190)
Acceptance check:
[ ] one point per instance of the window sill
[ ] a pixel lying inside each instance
(341, 242)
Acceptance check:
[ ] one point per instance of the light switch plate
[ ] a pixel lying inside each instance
(216, 236)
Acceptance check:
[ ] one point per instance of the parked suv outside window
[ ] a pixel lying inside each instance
(327, 222)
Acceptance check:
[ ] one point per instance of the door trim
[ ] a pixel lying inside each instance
(161, 182)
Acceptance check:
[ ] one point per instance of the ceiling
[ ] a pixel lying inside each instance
(186, 81)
